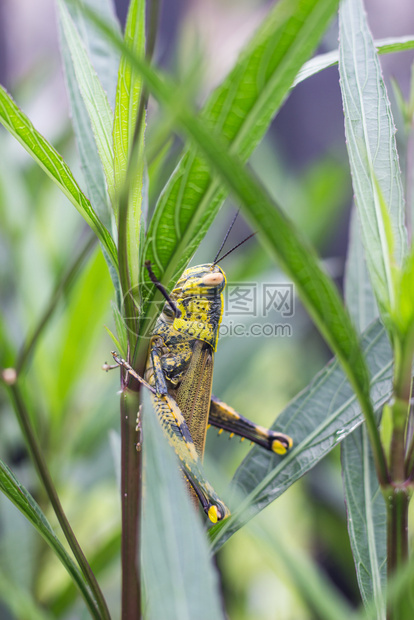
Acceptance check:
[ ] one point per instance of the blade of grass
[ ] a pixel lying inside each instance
(52, 163)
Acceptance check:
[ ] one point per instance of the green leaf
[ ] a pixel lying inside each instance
(317, 420)
(128, 96)
(330, 59)
(121, 330)
(180, 580)
(89, 158)
(52, 163)
(94, 96)
(366, 511)
(372, 151)
(240, 111)
(22, 499)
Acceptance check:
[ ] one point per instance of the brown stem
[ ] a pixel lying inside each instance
(131, 481)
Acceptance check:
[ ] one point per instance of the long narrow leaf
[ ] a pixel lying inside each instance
(318, 419)
(330, 59)
(366, 511)
(128, 96)
(180, 580)
(94, 96)
(373, 157)
(22, 499)
(52, 163)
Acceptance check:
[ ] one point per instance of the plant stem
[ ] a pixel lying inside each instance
(44, 475)
(398, 494)
(397, 501)
(131, 481)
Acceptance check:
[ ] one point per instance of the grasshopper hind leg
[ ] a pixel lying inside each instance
(226, 418)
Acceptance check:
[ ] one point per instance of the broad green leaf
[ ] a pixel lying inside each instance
(52, 163)
(366, 511)
(180, 580)
(128, 95)
(240, 111)
(22, 499)
(372, 152)
(317, 420)
(94, 96)
(330, 59)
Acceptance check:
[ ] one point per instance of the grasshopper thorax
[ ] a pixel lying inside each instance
(198, 294)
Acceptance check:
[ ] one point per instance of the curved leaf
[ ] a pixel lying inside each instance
(372, 152)
(240, 110)
(52, 163)
(22, 499)
(180, 580)
(320, 417)
(330, 59)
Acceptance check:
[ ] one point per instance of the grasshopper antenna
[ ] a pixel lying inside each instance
(226, 236)
(162, 289)
(232, 249)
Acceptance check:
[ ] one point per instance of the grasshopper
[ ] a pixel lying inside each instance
(179, 374)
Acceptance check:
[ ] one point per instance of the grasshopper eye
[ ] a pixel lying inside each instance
(212, 279)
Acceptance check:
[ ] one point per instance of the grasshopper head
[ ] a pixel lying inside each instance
(198, 295)
(203, 280)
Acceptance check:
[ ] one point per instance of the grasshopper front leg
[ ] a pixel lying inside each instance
(226, 418)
